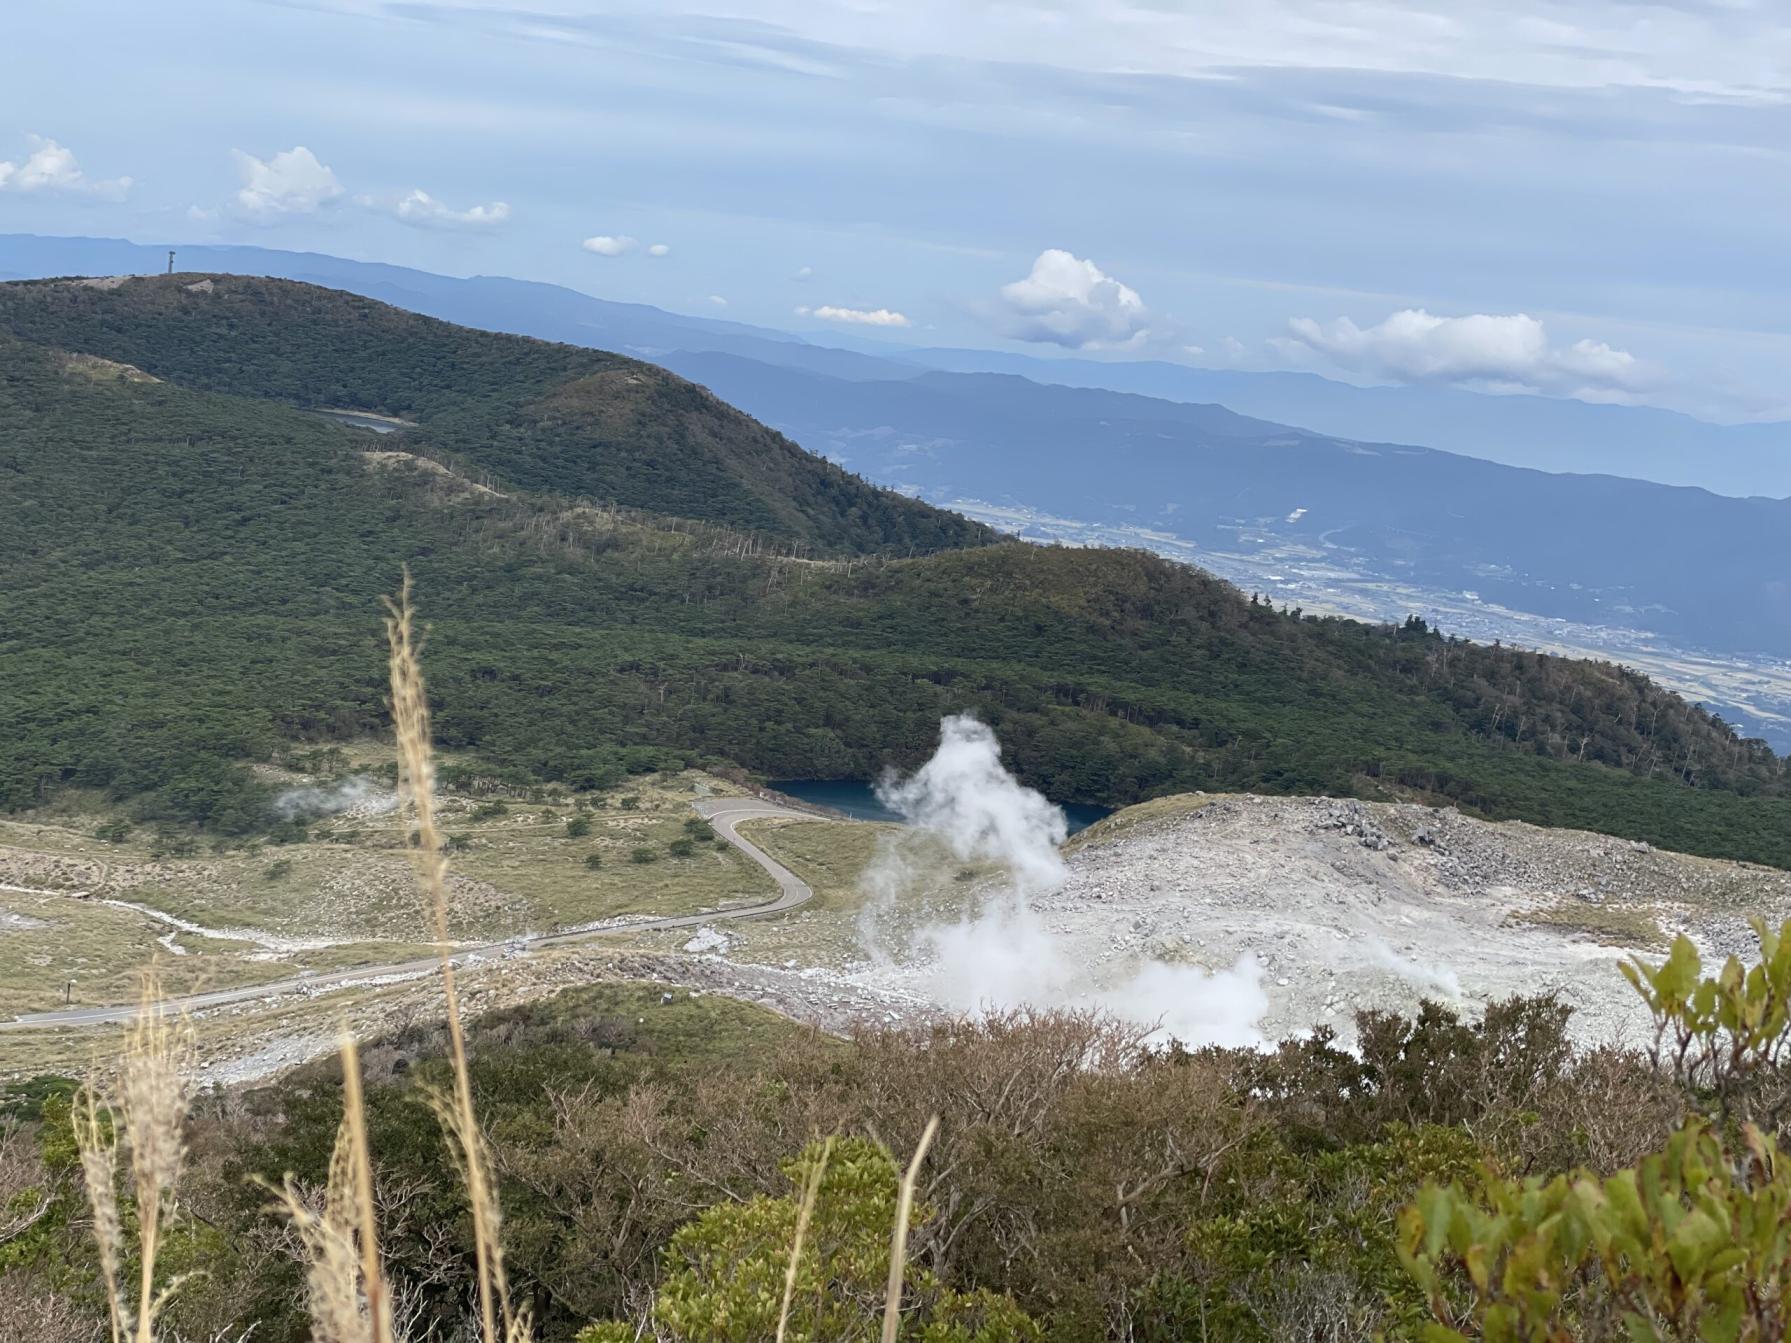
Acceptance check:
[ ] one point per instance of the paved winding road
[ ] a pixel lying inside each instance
(724, 813)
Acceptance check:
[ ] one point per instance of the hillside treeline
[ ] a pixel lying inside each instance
(1108, 1191)
(542, 417)
(193, 582)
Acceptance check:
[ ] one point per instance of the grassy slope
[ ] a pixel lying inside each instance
(542, 417)
(198, 574)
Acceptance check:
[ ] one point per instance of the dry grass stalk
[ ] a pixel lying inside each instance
(898, 1243)
(148, 1106)
(811, 1191)
(472, 1161)
(355, 1207)
(154, 1092)
(333, 1295)
(346, 1292)
(354, 1122)
(416, 788)
(96, 1138)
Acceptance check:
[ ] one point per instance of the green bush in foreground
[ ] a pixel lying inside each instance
(728, 1269)
(1308, 1235)
(1691, 1244)
(1694, 1242)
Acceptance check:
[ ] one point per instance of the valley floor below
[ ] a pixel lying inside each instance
(1276, 915)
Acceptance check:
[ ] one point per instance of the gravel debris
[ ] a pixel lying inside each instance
(1348, 904)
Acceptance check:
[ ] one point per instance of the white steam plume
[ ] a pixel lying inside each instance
(1439, 978)
(1005, 956)
(357, 794)
(965, 796)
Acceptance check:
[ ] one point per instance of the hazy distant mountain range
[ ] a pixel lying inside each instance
(1701, 568)
(1336, 515)
(1547, 433)
(1542, 432)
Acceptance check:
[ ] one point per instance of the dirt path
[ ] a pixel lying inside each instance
(723, 813)
(177, 925)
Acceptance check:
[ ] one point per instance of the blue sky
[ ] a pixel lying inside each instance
(1585, 199)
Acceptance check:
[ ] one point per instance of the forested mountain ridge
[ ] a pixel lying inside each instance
(1561, 547)
(547, 418)
(193, 579)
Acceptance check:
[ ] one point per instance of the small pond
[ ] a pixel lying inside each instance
(858, 800)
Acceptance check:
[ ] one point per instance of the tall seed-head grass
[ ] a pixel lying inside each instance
(898, 1242)
(354, 1122)
(146, 1102)
(811, 1191)
(155, 1091)
(96, 1139)
(498, 1321)
(326, 1235)
(347, 1295)
(345, 1287)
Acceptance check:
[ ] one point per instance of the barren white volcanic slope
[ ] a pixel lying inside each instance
(1345, 905)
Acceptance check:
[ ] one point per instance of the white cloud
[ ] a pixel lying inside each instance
(1071, 302)
(608, 244)
(804, 274)
(1506, 352)
(1702, 48)
(659, 249)
(292, 182)
(718, 300)
(422, 210)
(51, 167)
(827, 312)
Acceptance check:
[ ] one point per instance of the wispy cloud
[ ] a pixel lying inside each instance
(1696, 48)
(828, 312)
(50, 167)
(1071, 302)
(292, 182)
(1506, 352)
(1199, 158)
(421, 210)
(609, 244)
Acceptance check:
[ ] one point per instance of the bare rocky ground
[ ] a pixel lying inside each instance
(355, 895)
(1347, 905)
(257, 1039)
(1342, 905)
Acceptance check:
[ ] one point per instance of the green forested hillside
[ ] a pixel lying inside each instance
(192, 581)
(558, 419)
